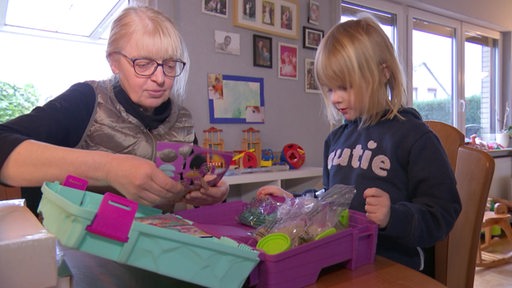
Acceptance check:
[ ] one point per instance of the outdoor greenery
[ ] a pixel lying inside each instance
(16, 100)
(436, 109)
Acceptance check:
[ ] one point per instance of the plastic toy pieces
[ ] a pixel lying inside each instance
(188, 163)
(294, 155)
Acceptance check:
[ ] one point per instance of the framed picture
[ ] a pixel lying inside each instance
(310, 84)
(288, 61)
(262, 51)
(276, 17)
(227, 43)
(216, 7)
(314, 12)
(235, 99)
(312, 37)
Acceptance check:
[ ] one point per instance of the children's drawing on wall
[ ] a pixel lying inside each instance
(235, 99)
(215, 87)
(254, 114)
(228, 43)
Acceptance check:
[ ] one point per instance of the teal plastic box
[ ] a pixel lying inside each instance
(204, 261)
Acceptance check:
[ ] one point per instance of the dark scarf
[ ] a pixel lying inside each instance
(150, 121)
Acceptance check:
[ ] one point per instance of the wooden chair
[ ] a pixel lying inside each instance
(451, 138)
(7, 193)
(474, 172)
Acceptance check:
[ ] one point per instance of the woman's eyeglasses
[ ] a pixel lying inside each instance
(147, 67)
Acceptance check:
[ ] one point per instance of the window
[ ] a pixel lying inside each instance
(54, 44)
(386, 20)
(433, 67)
(438, 50)
(480, 85)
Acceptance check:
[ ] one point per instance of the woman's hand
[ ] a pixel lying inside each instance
(378, 206)
(140, 180)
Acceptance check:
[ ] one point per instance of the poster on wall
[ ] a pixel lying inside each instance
(235, 99)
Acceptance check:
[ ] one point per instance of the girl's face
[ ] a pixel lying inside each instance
(343, 101)
(146, 91)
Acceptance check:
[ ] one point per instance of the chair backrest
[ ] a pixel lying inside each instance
(474, 172)
(451, 139)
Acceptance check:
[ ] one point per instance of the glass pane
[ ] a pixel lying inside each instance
(78, 17)
(386, 20)
(479, 68)
(432, 55)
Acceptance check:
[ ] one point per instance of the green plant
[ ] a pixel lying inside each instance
(16, 100)
(509, 130)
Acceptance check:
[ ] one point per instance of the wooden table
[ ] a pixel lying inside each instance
(92, 271)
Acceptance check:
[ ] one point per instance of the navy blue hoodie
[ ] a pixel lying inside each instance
(404, 158)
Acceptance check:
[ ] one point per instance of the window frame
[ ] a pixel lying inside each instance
(404, 17)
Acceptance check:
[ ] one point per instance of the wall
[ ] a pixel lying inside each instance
(291, 115)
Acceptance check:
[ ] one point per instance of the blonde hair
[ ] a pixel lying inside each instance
(358, 55)
(154, 34)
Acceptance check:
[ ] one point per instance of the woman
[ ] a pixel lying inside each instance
(106, 131)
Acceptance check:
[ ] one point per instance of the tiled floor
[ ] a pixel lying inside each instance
(496, 277)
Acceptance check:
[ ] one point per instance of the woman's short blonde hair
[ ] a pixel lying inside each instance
(153, 34)
(359, 56)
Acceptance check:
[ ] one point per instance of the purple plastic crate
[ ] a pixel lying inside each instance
(300, 266)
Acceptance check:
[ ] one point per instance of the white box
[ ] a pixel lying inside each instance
(28, 252)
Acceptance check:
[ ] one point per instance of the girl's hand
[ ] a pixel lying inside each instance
(378, 206)
(206, 195)
(271, 190)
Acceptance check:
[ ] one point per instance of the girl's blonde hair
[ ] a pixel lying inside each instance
(358, 55)
(153, 34)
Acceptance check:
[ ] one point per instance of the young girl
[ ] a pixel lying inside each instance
(403, 179)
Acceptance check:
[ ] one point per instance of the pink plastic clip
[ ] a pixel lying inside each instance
(75, 182)
(114, 217)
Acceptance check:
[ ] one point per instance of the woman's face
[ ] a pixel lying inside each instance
(146, 91)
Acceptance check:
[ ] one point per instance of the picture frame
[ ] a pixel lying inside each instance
(311, 37)
(235, 99)
(215, 7)
(262, 51)
(226, 42)
(310, 84)
(314, 12)
(288, 65)
(275, 17)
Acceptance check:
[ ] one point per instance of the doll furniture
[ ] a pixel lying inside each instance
(251, 141)
(499, 217)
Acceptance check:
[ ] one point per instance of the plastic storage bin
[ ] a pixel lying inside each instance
(210, 262)
(300, 266)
